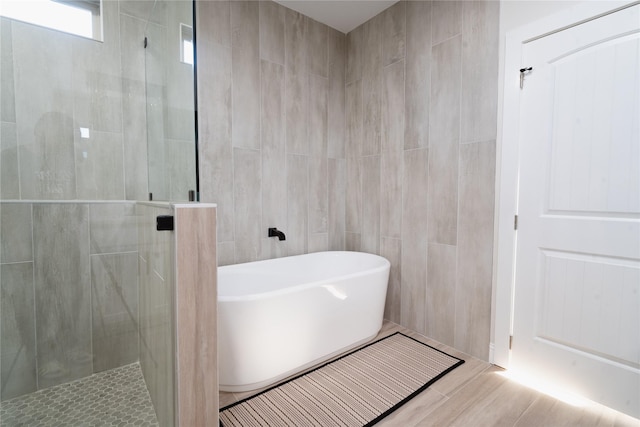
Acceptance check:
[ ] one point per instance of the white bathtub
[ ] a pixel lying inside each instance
(280, 316)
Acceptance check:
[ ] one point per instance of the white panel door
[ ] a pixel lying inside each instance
(577, 282)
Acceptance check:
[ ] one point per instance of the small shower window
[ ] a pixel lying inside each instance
(186, 44)
(79, 17)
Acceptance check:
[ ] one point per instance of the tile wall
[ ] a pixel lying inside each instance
(53, 84)
(271, 129)
(421, 103)
(381, 141)
(157, 277)
(68, 278)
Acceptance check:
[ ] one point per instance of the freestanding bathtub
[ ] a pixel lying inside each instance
(280, 316)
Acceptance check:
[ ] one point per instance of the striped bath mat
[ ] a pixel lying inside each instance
(358, 389)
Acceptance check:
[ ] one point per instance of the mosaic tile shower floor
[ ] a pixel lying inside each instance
(117, 397)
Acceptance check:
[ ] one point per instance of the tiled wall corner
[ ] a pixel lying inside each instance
(423, 76)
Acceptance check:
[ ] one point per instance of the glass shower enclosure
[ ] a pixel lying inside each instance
(90, 128)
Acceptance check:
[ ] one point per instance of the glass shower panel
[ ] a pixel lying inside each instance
(170, 100)
(75, 120)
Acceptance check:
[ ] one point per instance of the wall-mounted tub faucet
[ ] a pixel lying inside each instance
(274, 232)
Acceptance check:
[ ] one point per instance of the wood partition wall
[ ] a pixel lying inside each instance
(195, 315)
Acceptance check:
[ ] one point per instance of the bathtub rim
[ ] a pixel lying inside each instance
(303, 286)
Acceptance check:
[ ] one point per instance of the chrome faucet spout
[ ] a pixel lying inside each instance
(274, 232)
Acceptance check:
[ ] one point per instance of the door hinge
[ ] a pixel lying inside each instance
(510, 341)
(523, 71)
(515, 222)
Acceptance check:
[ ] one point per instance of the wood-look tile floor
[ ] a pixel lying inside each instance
(474, 394)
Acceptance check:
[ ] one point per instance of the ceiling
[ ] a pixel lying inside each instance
(343, 15)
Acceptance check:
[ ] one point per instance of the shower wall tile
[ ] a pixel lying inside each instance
(18, 335)
(317, 48)
(9, 185)
(317, 137)
(112, 228)
(336, 115)
(371, 204)
(144, 10)
(391, 184)
(155, 140)
(245, 61)
(354, 195)
(318, 195)
(178, 96)
(97, 78)
(274, 176)
(298, 203)
(393, 101)
(475, 248)
(272, 32)
(337, 172)
(44, 112)
(134, 110)
(216, 153)
(391, 249)
(114, 314)
(444, 140)
(447, 20)
(155, 312)
(353, 106)
(394, 29)
(99, 166)
(414, 239)
(479, 75)
(16, 232)
(418, 61)
(156, 55)
(62, 277)
(178, 102)
(441, 296)
(181, 168)
(247, 196)
(7, 88)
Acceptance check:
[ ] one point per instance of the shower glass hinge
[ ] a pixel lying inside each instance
(510, 341)
(515, 222)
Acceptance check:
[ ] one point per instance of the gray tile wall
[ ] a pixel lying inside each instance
(272, 129)
(54, 84)
(69, 292)
(421, 96)
(156, 340)
(382, 141)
